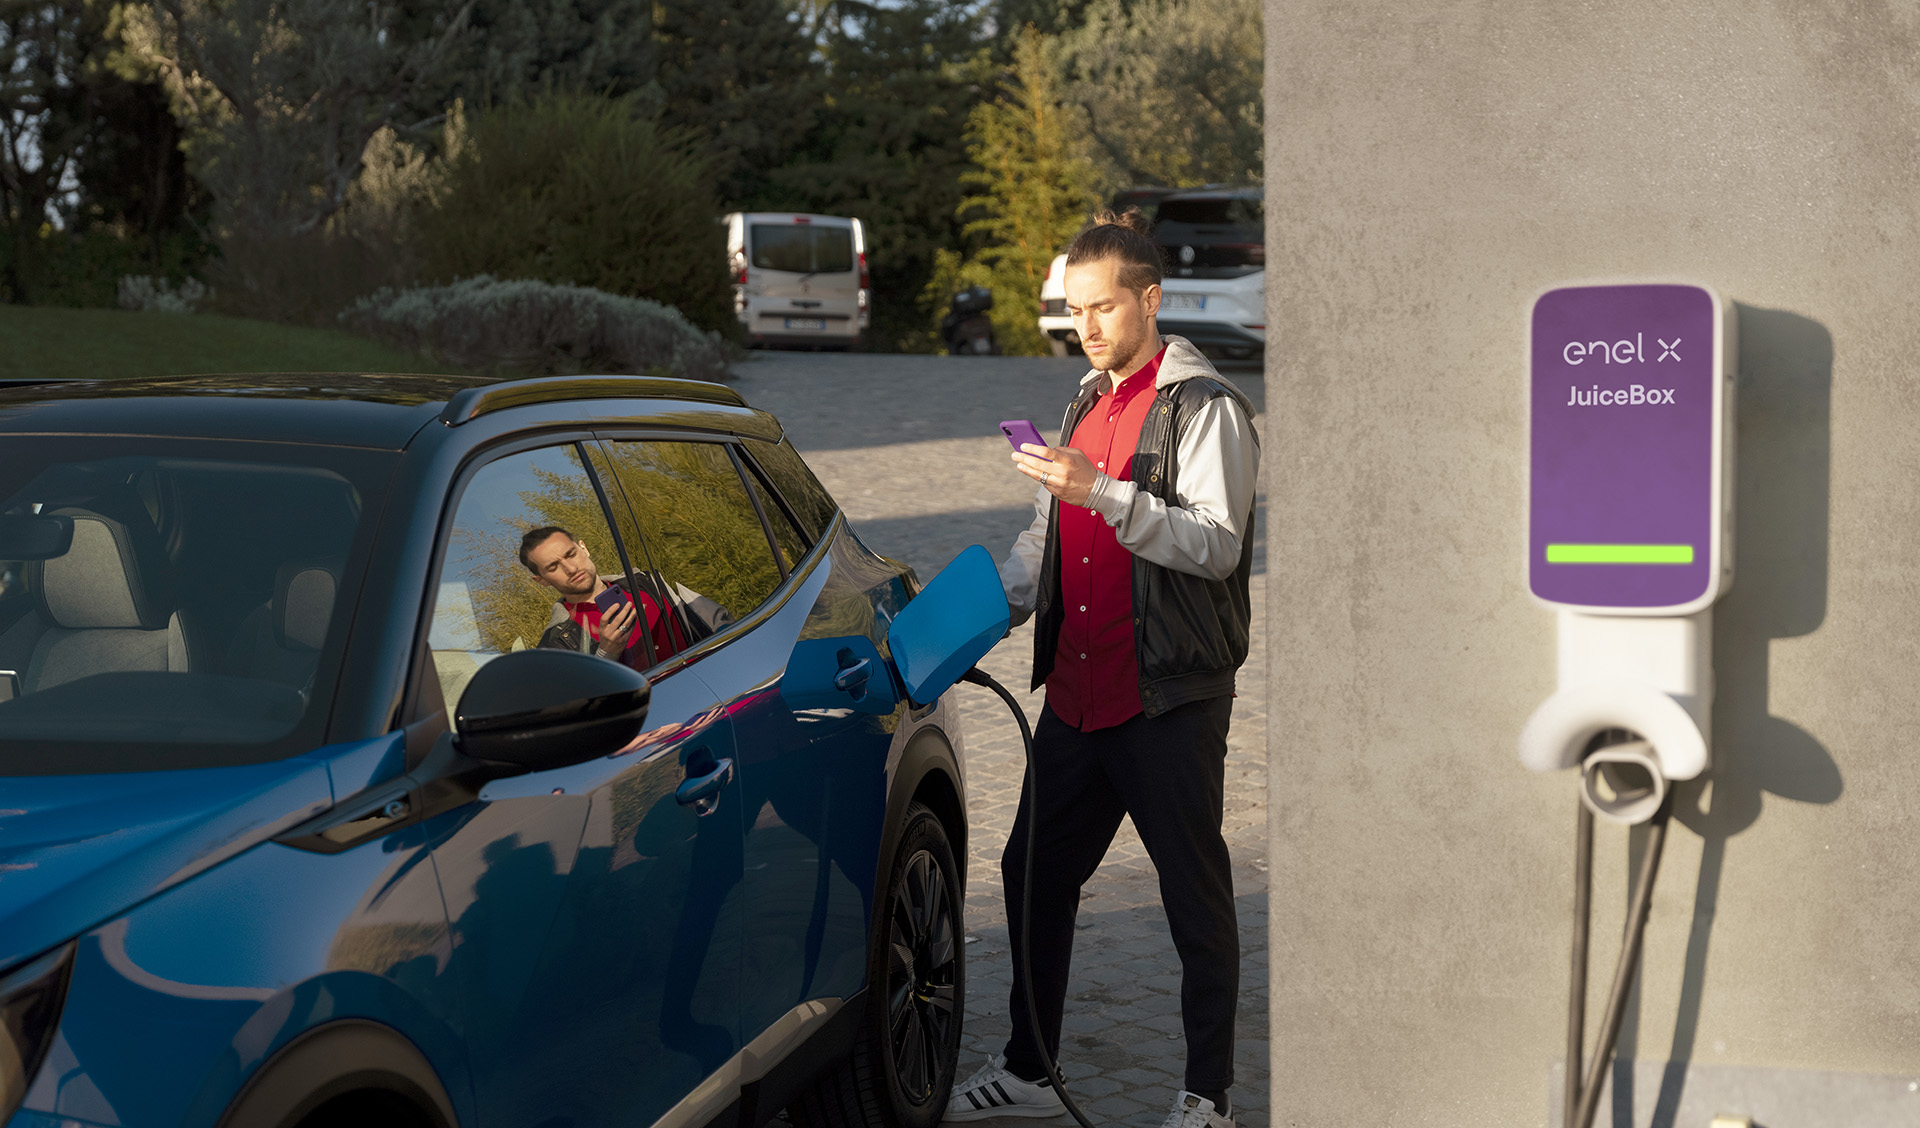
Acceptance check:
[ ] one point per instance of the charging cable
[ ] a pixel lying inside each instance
(977, 676)
(1582, 1100)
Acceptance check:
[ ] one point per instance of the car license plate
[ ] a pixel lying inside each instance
(805, 323)
(1183, 301)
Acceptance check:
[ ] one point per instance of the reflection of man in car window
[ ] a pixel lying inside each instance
(562, 563)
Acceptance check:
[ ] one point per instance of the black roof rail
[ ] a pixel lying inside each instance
(475, 402)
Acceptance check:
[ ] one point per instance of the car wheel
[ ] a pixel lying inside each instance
(900, 1072)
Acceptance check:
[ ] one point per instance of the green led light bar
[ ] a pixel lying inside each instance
(1619, 554)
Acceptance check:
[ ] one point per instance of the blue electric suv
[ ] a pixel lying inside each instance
(316, 810)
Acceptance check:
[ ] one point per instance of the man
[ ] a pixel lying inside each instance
(1137, 565)
(562, 563)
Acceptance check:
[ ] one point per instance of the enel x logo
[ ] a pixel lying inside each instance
(1670, 349)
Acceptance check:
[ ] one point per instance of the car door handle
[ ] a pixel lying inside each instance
(703, 791)
(854, 677)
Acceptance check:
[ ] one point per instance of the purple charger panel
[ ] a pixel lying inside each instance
(1622, 460)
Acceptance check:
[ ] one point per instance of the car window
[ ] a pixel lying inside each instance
(699, 525)
(787, 540)
(1237, 211)
(161, 599)
(812, 505)
(802, 248)
(681, 629)
(533, 510)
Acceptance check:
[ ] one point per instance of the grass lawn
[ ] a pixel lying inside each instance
(49, 341)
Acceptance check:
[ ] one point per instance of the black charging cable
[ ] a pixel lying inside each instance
(977, 676)
(1582, 1100)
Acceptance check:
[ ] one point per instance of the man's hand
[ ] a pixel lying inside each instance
(1069, 475)
(615, 626)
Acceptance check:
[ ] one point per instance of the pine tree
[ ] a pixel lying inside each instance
(519, 49)
(890, 143)
(1035, 187)
(739, 74)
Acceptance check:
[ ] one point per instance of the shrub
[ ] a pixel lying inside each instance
(537, 328)
(155, 293)
(578, 190)
(302, 279)
(83, 268)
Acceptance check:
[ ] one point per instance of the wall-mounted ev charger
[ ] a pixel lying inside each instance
(1630, 541)
(1629, 530)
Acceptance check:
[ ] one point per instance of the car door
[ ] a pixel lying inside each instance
(594, 907)
(784, 620)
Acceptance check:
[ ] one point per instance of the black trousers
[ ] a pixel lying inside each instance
(1168, 773)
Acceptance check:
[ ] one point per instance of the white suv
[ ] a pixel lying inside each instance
(1224, 316)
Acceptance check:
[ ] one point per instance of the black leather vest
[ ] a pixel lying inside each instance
(1190, 633)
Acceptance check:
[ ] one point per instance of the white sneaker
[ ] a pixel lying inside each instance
(1190, 1110)
(995, 1092)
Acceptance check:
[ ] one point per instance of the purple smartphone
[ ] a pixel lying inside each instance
(1020, 431)
(610, 599)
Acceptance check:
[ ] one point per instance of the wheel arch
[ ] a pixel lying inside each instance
(342, 1058)
(928, 773)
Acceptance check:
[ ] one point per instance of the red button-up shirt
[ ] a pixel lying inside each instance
(1095, 682)
(662, 630)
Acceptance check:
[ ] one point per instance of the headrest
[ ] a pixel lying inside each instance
(116, 574)
(303, 595)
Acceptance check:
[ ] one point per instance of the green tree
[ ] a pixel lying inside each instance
(278, 98)
(739, 75)
(91, 181)
(522, 48)
(574, 188)
(890, 143)
(1049, 17)
(1171, 89)
(1034, 188)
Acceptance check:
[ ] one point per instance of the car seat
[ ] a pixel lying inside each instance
(107, 606)
(280, 640)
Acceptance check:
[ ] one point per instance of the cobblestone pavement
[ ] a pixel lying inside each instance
(911, 448)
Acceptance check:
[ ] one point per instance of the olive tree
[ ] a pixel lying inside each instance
(279, 98)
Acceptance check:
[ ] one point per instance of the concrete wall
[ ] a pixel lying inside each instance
(1431, 167)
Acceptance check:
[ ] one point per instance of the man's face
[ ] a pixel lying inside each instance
(563, 564)
(1115, 324)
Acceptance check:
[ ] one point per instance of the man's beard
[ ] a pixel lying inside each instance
(577, 595)
(1122, 354)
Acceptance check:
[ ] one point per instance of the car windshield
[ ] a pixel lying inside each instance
(802, 248)
(169, 603)
(1212, 211)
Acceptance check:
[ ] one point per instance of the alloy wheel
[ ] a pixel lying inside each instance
(922, 961)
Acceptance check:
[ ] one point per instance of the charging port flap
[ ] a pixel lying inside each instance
(955, 620)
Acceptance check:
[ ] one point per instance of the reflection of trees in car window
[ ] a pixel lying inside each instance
(810, 501)
(792, 545)
(700, 526)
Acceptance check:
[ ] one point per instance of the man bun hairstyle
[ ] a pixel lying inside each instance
(1123, 235)
(534, 539)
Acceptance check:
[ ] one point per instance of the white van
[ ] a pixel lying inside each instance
(799, 280)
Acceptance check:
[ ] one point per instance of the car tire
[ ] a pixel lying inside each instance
(901, 1070)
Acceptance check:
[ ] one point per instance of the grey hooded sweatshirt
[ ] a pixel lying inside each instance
(1197, 528)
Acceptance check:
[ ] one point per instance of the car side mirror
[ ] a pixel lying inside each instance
(534, 710)
(955, 620)
(28, 536)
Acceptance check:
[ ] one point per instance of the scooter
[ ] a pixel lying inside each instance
(966, 328)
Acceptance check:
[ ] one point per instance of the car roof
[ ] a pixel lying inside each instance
(1253, 193)
(798, 218)
(363, 409)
